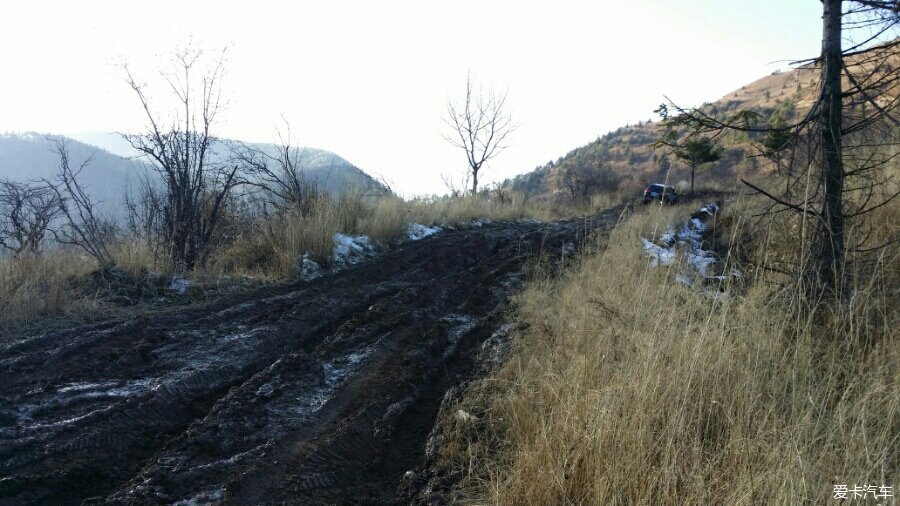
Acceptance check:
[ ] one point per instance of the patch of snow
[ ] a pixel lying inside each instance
(698, 225)
(687, 244)
(180, 285)
(308, 268)
(701, 260)
(417, 231)
(107, 389)
(207, 497)
(658, 254)
(338, 369)
(710, 209)
(351, 249)
(668, 237)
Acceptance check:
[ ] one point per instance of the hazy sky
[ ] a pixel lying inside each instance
(370, 80)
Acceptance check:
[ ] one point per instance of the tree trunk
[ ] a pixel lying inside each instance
(474, 182)
(693, 169)
(827, 247)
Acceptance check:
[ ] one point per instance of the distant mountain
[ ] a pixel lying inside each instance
(30, 157)
(627, 154)
(332, 173)
(113, 168)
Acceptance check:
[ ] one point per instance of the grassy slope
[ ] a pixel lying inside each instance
(626, 387)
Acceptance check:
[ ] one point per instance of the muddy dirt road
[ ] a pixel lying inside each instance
(321, 392)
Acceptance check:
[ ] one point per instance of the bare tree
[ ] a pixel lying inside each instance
(457, 188)
(196, 183)
(502, 192)
(145, 215)
(26, 212)
(581, 181)
(84, 227)
(280, 177)
(838, 152)
(480, 127)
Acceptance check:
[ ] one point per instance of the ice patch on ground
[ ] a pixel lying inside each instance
(106, 389)
(659, 255)
(207, 497)
(417, 231)
(687, 245)
(461, 325)
(180, 285)
(710, 209)
(335, 372)
(701, 260)
(309, 268)
(351, 249)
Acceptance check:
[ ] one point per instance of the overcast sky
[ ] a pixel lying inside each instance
(370, 80)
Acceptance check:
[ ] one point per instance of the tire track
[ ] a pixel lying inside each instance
(317, 392)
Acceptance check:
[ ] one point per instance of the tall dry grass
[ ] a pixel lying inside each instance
(628, 388)
(276, 246)
(63, 282)
(34, 286)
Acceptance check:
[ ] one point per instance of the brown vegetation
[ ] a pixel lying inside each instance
(251, 250)
(628, 387)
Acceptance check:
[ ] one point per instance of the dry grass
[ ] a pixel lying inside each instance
(276, 247)
(629, 388)
(34, 286)
(54, 283)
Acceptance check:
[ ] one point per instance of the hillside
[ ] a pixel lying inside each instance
(113, 167)
(331, 172)
(30, 156)
(628, 161)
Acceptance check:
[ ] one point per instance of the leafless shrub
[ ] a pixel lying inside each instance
(84, 227)
(27, 211)
(195, 186)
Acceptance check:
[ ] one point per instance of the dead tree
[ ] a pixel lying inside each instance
(582, 181)
(84, 226)
(480, 127)
(27, 211)
(502, 192)
(145, 215)
(456, 188)
(196, 183)
(837, 153)
(279, 177)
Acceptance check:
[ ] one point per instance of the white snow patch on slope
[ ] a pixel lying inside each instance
(417, 231)
(687, 244)
(309, 268)
(351, 249)
(658, 255)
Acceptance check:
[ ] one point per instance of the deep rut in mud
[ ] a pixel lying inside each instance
(318, 392)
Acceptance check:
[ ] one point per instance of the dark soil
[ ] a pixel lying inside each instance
(320, 392)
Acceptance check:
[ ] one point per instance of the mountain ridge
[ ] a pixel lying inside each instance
(28, 156)
(626, 159)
